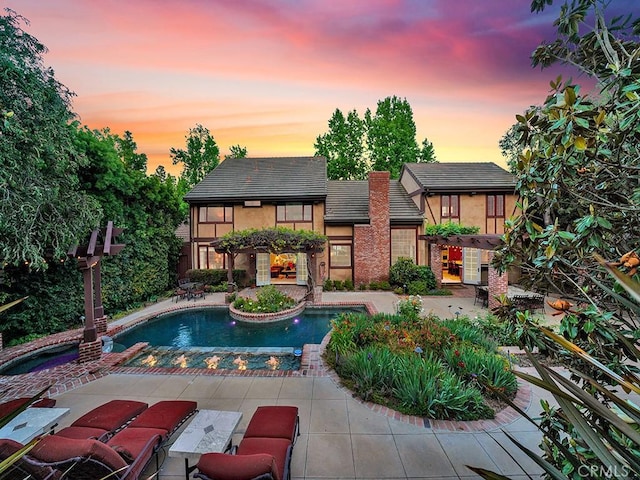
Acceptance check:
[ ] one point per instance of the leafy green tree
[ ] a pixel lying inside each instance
(236, 151)
(148, 208)
(42, 209)
(427, 153)
(127, 149)
(343, 147)
(391, 135)
(200, 157)
(510, 147)
(578, 177)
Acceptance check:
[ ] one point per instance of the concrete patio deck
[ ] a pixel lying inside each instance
(341, 438)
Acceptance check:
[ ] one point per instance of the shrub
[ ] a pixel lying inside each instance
(268, 300)
(417, 287)
(348, 285)
(466, 331)
(410, 308)
(502, 331)
(491, 369)
(405, 271)
(350, 331)
(215, 276)
(371, 372)
(384, 285)
(328, 285)
(338, 285)
(425, 387)
(362, 286)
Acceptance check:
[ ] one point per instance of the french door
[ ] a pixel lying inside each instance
(301, 269)
(263, 269)
(471, 263)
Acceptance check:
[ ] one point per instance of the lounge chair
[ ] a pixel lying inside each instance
(11, 406)
(89, 459)
(264, 453)
(124, 456)
(165, 416)
(23, 468)
(104, 421)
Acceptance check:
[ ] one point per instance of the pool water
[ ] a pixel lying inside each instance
(213, 327)
(42, 359)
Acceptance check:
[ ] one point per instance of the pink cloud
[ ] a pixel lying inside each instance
(269, 75)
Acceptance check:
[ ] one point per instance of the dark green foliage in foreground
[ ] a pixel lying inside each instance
(419, 366)
(54, 303)
(42, 207)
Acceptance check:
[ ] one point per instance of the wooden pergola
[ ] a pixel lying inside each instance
(497, 283)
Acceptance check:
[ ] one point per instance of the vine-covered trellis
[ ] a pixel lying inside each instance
(273, 240)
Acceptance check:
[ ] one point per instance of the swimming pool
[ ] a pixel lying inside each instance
(42, 359)
(213, 327)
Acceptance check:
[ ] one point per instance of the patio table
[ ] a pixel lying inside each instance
(31, 423)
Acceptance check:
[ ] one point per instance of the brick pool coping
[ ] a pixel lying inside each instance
(67, 377)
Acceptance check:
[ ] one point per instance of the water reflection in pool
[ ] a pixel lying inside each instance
(213, 327)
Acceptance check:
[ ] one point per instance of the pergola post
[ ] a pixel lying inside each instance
(89, 257)
(89, 325)
(230, 262)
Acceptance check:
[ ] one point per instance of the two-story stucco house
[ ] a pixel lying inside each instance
(479, 194)
(368, 223)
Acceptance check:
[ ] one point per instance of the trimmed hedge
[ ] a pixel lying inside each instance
(216, 276)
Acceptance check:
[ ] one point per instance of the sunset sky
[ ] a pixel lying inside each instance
(268, 74)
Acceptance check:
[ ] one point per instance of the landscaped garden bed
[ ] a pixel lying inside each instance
(440, 369)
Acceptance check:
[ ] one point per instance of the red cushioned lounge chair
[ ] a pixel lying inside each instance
(23, 468)
(6, 408)
(166, 415)
(102, 422)
(89, 459)
(124, 456)
(264, 453)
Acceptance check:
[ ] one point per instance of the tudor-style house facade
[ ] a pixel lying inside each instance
(368, 223)
(473, 194)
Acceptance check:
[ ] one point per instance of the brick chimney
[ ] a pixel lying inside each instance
(372, 243)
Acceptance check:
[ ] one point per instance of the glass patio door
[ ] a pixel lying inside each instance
(471, 262)
(301, 269)
(263, 269)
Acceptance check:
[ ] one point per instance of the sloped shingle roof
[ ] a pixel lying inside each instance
(348, 202)
(276, 178)
(461, 176)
